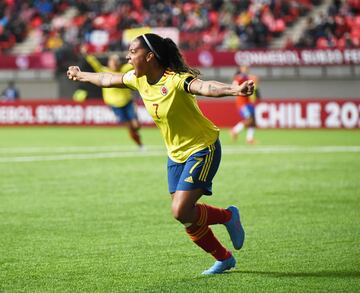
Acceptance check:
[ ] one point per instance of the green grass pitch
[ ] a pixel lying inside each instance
(81, 210)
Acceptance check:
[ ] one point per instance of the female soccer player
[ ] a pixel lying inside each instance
(167, 86)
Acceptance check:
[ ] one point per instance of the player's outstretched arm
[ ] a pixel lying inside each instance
(218, 89)
(101, 79)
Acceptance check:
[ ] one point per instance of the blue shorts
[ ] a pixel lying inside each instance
(197, 172)
(247, 111)
(126, 113)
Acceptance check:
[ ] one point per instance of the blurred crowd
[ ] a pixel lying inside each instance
(67, 25)
(338, 28)
(221, 24)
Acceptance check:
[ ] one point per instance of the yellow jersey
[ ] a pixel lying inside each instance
(176, 113)
(116, 97)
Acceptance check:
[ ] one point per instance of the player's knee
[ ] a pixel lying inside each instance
(179, 213)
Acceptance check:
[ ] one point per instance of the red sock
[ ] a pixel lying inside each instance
(203, 237)
(134, 133)
(209, 215)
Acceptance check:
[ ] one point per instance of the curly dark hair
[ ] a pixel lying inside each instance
(167, 53)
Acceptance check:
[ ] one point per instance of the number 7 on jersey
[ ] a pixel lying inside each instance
(156, 110)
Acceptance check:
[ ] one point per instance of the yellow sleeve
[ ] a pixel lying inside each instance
(130, 80)
(179, 80)
(94, 63)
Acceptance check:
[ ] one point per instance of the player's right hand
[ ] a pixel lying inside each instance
(247, 88)
(72, 72)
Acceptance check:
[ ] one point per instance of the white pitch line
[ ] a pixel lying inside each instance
(91, 156)
(293, 149)
(157, 151)
(64, 149)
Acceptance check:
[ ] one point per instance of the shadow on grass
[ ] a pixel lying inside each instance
(321, 274)
(194, 283)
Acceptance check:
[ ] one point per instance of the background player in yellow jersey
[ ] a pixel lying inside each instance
(168, 87)
(118, 99)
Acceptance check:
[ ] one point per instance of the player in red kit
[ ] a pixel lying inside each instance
(245, 106)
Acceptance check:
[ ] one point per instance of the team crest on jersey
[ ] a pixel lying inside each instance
(164, 91)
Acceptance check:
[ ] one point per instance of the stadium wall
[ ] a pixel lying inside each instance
(282, 87)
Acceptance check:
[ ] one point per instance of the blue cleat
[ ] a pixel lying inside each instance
(234, 228)
(221, 266)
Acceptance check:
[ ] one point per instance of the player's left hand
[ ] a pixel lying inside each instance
(247, 88)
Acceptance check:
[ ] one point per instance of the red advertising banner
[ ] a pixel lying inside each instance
(33, 61)
(269, 114)
(308, 114)
(62, 113)
(289, 113)
(263, 57)
(273, 57)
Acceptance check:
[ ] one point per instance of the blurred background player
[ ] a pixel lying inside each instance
(245, 106)
(10, 93)
(118, 99)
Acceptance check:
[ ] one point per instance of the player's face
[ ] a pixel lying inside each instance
(244, 69)
(137, 58)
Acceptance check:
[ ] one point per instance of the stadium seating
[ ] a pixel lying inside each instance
(338, 28)
(223, 25)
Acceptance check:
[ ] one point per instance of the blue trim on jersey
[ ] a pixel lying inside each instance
(197, 172)
(126, 113)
